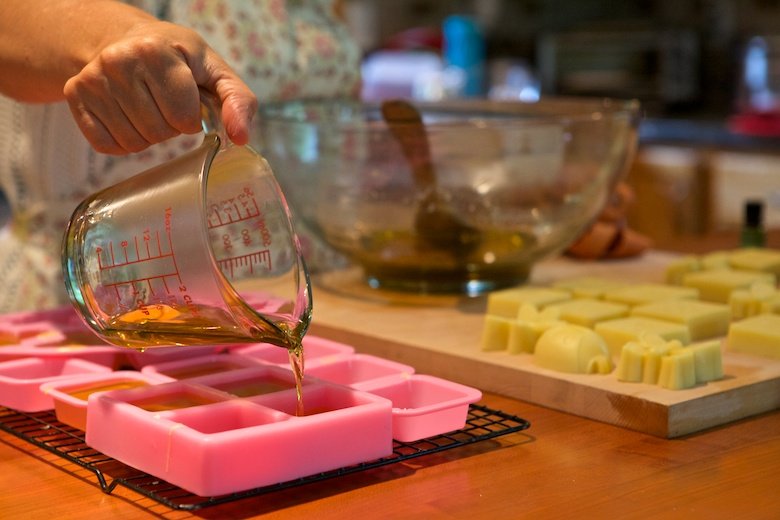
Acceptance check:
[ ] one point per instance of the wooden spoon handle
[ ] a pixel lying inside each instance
(407, 126)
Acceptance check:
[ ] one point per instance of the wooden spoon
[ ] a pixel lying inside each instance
(436, 222)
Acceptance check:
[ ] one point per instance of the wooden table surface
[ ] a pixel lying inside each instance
(564, 466)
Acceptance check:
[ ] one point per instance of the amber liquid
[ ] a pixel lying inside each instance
(296, 362)
(399, 258)
(201, 370)
(253, 388)
(84, 392)
(171, 402)
(209, 326)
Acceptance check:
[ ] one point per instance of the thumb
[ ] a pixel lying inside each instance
(237, 103)
(239, 106)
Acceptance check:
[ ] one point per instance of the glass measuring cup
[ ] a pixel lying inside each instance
(199, 250)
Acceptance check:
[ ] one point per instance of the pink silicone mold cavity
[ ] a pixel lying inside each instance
(357, 368)
(239, 444)
(251, 382)
(315, 350)
(56, 333)
(102, 355)
(158, 355)
(424, 405)
(71, 395)
(200, 366)
(21, 379)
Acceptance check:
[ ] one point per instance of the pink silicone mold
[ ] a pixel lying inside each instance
(21, 379)
(218, 446)
(223, 418)
(70, 396)
(424, 405)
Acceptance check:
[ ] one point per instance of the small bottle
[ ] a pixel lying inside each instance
(753, 234)
(464, 50)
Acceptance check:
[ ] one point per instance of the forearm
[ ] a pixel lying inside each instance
(34, 68)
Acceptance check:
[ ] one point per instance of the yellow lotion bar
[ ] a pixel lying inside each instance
(650, 292)
(507, 303)
(708, 360)
(617, 333)
(678, 370)
(760, 298)
(678, 268)
(670, 365)
(703, 319)
(526, 330)
(587, 312)
(756, 259)
(588, 286)
(716, 285)
(574, 349)
(495, 333)
(758, 335)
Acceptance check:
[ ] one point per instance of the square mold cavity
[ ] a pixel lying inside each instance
(100, 354)
(71, 395)
(21, 379)
(315, 350)
(166, 396)
(239, 444)
(251, 382)
(63, 335)
(200, 366)
(159, 355)
(355, 369)
(424, 405)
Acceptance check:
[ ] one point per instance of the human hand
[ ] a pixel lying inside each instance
(144, 88)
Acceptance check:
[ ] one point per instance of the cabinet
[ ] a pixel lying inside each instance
(693, 191)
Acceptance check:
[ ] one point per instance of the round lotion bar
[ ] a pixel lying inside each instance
(573, 348)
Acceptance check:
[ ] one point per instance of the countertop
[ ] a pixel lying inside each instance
(563, 466)
(710, 133)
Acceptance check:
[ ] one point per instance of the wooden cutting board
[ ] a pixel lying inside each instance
(441, 336)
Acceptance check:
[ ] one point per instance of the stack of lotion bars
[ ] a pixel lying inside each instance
(668, 334)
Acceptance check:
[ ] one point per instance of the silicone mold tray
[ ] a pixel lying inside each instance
(226, 419)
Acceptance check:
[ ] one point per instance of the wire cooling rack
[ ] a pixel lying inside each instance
(43, 430)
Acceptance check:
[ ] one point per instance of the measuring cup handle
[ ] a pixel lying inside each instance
(211, 116)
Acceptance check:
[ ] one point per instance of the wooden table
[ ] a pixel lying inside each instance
(563, 466)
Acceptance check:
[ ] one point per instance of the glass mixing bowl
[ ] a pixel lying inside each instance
(467, 205)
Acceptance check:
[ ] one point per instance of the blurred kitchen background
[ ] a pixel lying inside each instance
(706, 71)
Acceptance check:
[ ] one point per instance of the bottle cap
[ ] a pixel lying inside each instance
(754, 213)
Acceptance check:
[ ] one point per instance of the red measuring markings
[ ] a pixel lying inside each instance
(250, 260)
(232, 210)
(143, 261)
